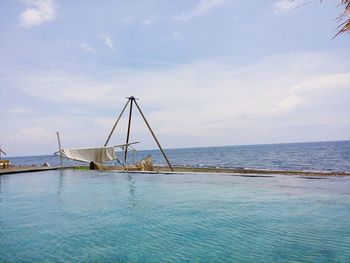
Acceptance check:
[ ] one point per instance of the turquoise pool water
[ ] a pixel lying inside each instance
(89, 216)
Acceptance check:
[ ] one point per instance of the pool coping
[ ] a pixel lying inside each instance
(184, 170)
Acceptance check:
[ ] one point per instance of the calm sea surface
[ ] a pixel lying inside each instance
(319, 156)
(92, 216)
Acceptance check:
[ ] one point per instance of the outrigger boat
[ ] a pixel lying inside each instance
(96, 156)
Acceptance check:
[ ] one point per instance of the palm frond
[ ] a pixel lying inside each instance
(344, 18)
(345, 25)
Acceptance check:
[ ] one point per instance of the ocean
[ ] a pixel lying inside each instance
(310, 156)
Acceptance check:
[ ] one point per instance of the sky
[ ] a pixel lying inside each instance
(207, 72)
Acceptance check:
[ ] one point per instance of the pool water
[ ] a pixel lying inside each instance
(91, 216)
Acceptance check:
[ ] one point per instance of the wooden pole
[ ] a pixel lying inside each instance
(60, 148)
(132, 99)
(154, 136)
(1, 151)
(115, 124)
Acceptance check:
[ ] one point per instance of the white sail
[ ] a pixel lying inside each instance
(93, 154)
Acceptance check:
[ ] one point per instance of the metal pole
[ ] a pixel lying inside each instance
(115, 125)
(132, 99)
(59, 148)
(155, 138)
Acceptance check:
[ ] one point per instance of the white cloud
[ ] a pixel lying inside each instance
(86, 47)
(216, 93)
(289, 103)
(63, 86)
(150, 20)
(176, 35)
(147, 22)
(324, 82)
(109, 43)
(288, 97)
(202, 7)
(34, 133)
(38, 12)
(19, 110)
(270, 83)
(283, 6)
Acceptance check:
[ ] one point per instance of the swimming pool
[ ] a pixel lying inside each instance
(96, 216)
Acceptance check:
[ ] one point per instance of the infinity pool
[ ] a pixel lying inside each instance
(90, 216)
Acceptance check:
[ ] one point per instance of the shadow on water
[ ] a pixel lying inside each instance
(315, 178)
(60, 184)
(132, 192)
(3, 180)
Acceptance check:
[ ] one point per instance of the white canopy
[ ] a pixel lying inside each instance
(93, 154)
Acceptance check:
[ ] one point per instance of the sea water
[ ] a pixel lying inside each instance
(315, 156)
(95, 216)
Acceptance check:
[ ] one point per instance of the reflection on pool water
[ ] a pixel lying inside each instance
(93, 216)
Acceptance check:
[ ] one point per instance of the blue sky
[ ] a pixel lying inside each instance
(208, 72)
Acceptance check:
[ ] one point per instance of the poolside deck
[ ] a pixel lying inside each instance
(233, 171)
(252, 171)
(179, 169)
(26, 169)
